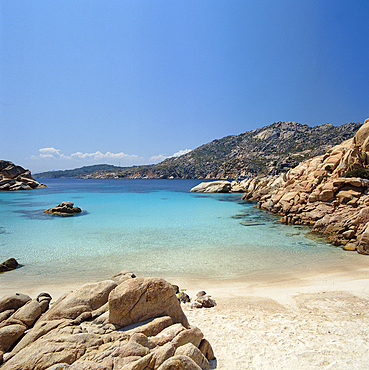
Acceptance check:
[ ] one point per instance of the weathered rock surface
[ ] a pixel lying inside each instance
(14, 177)
(13, 302)
(75, 333)
(86, 299)
(212, 187)
(64, 209)
(321, 192)
(129, 301)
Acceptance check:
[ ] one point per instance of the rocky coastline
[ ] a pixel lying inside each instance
(330, 192)
(126, 322)
(14, 177)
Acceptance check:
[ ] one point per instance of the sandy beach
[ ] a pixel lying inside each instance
(317, 318)
(309, 321)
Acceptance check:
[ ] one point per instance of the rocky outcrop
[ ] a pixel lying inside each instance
(212, 187)
(122, 323)
(14, 177)
(64, 209)
(268, 150)
(329, 192)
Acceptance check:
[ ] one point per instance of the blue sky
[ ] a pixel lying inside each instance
(132, 82)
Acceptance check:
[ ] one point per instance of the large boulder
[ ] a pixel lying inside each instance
(140, 299)
(213, 187)
(10, 334)
(13, 302)
(28, 313)
(86, 299)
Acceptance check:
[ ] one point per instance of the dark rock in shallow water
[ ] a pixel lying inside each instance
(64, 209)
(8, 265)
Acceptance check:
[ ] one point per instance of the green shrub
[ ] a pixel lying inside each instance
(359, 172)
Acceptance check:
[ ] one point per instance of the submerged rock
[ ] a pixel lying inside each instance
(64, 209)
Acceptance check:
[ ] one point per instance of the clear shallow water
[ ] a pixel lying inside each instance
(152, 227)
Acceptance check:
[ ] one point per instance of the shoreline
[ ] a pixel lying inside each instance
(306, 319)
(341, 274)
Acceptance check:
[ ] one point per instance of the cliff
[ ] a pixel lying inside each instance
(14, 177)
(329, 192)
(266, 151)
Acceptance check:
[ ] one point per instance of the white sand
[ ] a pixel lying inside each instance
(311, 321)
(303, 319)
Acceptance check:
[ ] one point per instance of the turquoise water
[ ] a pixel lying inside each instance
(152, 227)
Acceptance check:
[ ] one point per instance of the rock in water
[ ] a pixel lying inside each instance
(8, 265)
(64, 209)
(212, 187)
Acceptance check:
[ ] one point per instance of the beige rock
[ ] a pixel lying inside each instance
(41, 328)
(123, 276)
(161, 354)
(9, 335)
(345, 196)
(152, 327)
(362, 134)
(167, 334)
(5, 314)
(13, 302)
(29, 313)
(140, 299)
(363, 245)
(192, 335)
(212, 187)
(206, 349)
(52, 348)
(326, 195)
(350, 247)
(131, 348)
(88, 298)
(63, 366)
(195, 354)
(140, 364)
(179, 362)
(86, 365)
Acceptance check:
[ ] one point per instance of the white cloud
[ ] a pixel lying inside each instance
(99, 155)
(52, 158)
(160, 157)
(181, 152)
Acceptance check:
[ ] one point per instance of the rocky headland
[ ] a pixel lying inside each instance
(126, 322)
(268, 150)
(14, 177)
(330, 192)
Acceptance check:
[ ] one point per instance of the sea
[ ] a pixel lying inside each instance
(150, 227)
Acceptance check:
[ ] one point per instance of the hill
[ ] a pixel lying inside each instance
(265, 151)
